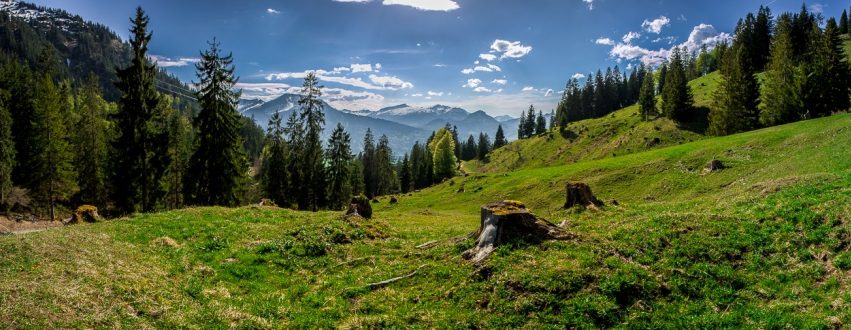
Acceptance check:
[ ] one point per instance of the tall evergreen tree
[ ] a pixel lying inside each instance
(370, 175)
(828, 86)
(313, 167)
(339, 166)
(540, 124)
(53, 173)
(484, 147)
(180, 143)
(677, 99)
(843, 22)
(736, 100)
(92, 143)
(647, 97)
(387, 182)
(499, 140)
(531, 121)
(782, 98)
(521, 128)
(405, 175)
(275, 176)
(663, 74)
(762, 32)
(7, 149)
(470, 149)
(217, 167)
(17, 79)
(139, 150)
(295, 141)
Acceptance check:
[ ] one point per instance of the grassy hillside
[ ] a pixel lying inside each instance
(622, 132)
(761, 244)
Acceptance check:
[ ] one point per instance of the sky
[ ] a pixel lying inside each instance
(499, 56)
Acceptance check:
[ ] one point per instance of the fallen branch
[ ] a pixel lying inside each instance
(378, 285)
(426, 245)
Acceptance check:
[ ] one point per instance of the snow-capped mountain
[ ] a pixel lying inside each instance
(401, 136)
(504, 118)
(34, 14)
(420, 117)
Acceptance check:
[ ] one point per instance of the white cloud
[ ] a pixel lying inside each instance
(482, 89)
(337, 97)
(352, 0)
(548, 92)
(590, 4)
(482, 68)
(361, 68)
(165, 62)
(703, 34)
(528, 89)
(509, 49)
(499, 81)
(431, 5)
(430, 93)
(629, 37)
(816, 8)
(272, 11)
(605, 41)
(377, 66)
(417, 95)
(487, 57)
(472, 83)
(578, 76)
(438, 65)
(468, 71)
(388, 82)
(656, 25)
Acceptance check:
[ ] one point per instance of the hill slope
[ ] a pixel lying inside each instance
(761, 244)
(622, 132)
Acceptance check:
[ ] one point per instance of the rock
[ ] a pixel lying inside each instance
(506, 221)
(394, 200)
(84, 213)
(360, 206)
(713, 165)
(580, 194)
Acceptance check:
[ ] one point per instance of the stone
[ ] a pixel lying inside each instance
(360, 206)
(578, 193)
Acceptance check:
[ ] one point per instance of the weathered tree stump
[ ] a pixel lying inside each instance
(506, 221)
(713, 165)
(360, 206)
(393, 200)
(580, 194)
(84, 213)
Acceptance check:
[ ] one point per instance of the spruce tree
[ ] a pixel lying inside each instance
(829, 81)
(91, 143)
(531, 121)
(17, 79)
(217, 167)
(53, 173)
(499, 140)
(140, 148)
(677, 99)
(521, 128)
(470, 149)
(275, 177)
(339, 167)
(843, 22)
(180, 142)
(484, 147)
(663, 74)
(386, 176)
(540, 124)
(782, 99)
(405, 175)
(7, 149)
(313, 167)
(295, 140)
(370, 174)
(736, 100)
(356, 176)
(647, 97)
(762, 30)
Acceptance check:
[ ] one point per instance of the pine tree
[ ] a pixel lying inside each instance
(499, 140)
(521, 128)
(663, 74)
(843, 22)
(339, 166)
(829, 80)
(587, 100)
(275, 177)
(180, 142)
(529, 127)
(470, 149)
(92, 142)
(484, 147)
(356, 176)
(443, 151)
(217, 167)
(647, 97)
(7, 149)
(370, 176)
(405, 175)
(313, 168)
(140, 148)
(295, 140)
(540, 124)
(763, 27)
(386, 176)
(17, 79)
(782, 99)
(53, 173)
(677, 99)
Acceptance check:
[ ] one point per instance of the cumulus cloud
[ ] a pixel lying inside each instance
(656, 25)
(578, 76)
(390, 82)
(429, 5)
(703, 34)
(590, 4)
(604, 41)
(472, 83)
(482, 68)
(430, 93)
(509, 49)
(375, 83)
(361, 68)
(528, 89)
(487, 57)
(165, 62)
(499, 81)
(629, 37)
(337, 97)
(272, 11)
(482, 89)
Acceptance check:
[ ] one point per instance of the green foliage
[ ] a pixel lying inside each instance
(540, 124)
(499, 140)
(180, 142)
(442, 147)
(7, 149)
(484, 147)
(339, 166)
(217, 167)
(311, 156)
(647, 100)
(275, 176)
(782, 97)
(677, 98)
(735, 108)
(93, 135)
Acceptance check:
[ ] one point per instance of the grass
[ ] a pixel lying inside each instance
(620, 133)
(761, 244)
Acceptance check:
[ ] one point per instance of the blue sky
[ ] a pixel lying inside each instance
(494, 55)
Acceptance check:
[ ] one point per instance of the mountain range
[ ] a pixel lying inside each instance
(403, 124)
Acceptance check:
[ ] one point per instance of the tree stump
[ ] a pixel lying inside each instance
(85, 213)
(580, 194)
(713, 165)
(360, 206)
(506, 221)
(393, 200)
